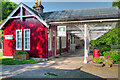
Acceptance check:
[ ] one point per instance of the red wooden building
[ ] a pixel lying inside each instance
(25, 30)
(34, 31)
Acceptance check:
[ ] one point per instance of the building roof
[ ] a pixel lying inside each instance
(79, 14)
(82, 14)
(71, 15)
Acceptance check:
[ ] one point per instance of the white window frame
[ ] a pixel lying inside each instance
(58, 40)
(24, 40)
(17, 39)
(49, 36)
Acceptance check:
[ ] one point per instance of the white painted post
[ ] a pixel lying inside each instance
(85, 43)
(87, 30)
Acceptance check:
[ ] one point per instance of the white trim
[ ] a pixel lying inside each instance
(55, 48)
(85, 43)
(22, 16)
(21, 5)
(91, 28)
(86, 21)
(17, 38)
(21, 13)
(38, 17)
(9, 16)
(49, 36)
(24, 40)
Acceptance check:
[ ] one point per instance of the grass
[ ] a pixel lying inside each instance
(10, 61)
(1, 54)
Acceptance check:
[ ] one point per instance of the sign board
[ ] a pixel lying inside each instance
(8, 36)
(61, 31)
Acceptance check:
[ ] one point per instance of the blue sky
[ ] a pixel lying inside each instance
(56, 6)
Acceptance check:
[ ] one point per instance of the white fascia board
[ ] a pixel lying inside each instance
(10, 15)
(21, 5)
(38, 17)
(86, 21)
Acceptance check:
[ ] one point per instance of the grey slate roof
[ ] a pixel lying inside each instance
(82, 14)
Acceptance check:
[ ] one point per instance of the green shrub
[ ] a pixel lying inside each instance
(20, 52)
(112, 55)
(98, 60)
(104, 48)
(109, 38)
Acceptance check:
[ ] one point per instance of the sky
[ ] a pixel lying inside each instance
(58, 5)
(64, 0)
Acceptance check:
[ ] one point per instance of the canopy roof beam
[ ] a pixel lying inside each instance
(86, 21)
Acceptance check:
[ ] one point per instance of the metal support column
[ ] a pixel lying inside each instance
(85, 43)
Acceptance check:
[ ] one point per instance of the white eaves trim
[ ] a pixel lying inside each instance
(20, 6)
(86, 21)
(38, 17)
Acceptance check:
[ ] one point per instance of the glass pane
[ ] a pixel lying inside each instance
(49, 43)
(27, 39)
(63, 42)
(57, 42)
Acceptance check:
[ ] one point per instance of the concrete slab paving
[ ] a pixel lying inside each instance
(64, 66)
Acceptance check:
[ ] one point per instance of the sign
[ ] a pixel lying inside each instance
(8, 36)
(61, 31)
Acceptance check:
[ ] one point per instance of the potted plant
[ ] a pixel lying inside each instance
(21, 55)
(98, 61)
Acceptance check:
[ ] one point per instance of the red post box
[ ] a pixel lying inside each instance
(96, 53)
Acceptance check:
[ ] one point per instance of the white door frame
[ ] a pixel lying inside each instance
(54, 35)
(55, 43)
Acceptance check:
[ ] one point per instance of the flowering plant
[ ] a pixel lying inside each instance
(112, 55)
(98, 60)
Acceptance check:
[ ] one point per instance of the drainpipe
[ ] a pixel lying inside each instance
(47, 43)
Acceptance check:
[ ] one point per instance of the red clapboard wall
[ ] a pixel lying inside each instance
(38, 36)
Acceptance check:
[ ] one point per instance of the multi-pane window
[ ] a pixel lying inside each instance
(49, 40)
(19, 39)
(58, 43)
(26, 39)
(63, 42)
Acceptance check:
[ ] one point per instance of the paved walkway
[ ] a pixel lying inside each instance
(65, 66)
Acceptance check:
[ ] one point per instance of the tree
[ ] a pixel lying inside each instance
(7, 8)
(116, 3)
(1, 35)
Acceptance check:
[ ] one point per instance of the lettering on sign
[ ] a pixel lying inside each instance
(8, 36)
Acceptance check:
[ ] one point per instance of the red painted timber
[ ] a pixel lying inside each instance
(38, 37)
